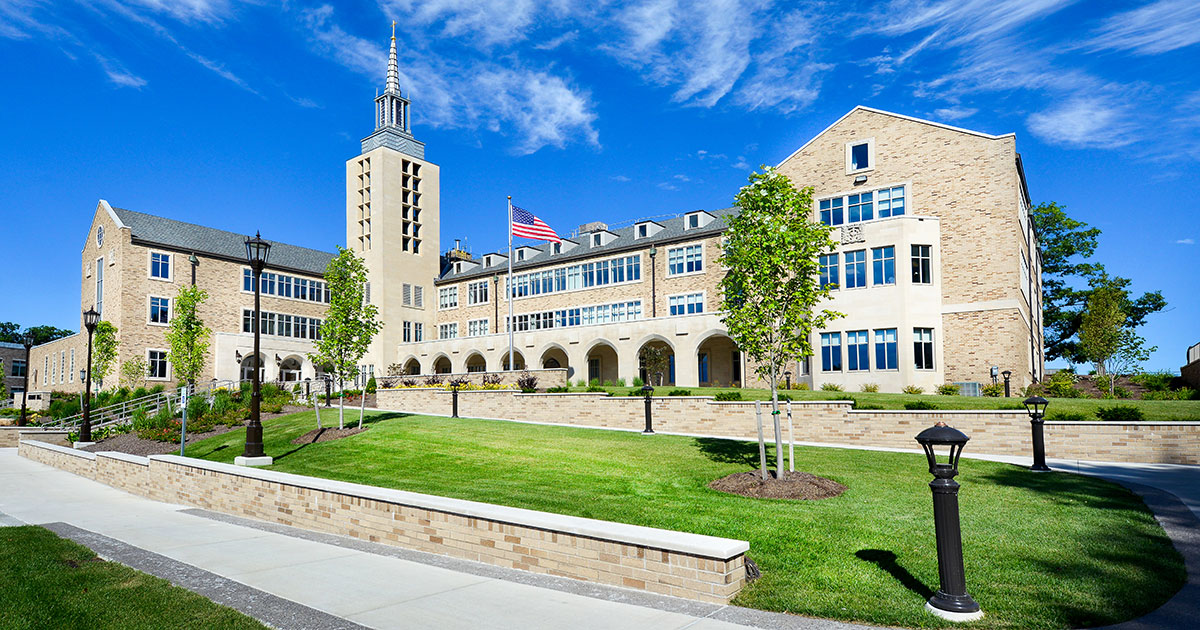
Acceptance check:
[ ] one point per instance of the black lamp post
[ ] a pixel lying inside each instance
(257, 251)
(27, 341)
(90, 319)
(454, 385)
(951, 601)
(647, 391)
(653, 277)
(1036, 405)
(1007, 374)
(308, 387)
(788, 377)
(328, 390)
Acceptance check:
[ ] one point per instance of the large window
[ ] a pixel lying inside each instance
(477, 292)
(829, 270)
(831, 352)
(858, 354)
(283, 285)
(448, 331)
(582, 316)
(582, 276)
(687, 259)
(283, 325)
(448, 297)
(831, 211)
(922, 271)
(883, 264)
(100, 285)
(477, 327)
(686, 304)
(407, 332)
(159, 310)
(418, 331)
(19, 368)
(885, 349)
(923, 348)
(160, 266)
(856, 269)
(156, 364)
(862, 206)
(889, 202)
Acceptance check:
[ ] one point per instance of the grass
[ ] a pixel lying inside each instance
(50, 582)
(1154, 410)
(1049, 550)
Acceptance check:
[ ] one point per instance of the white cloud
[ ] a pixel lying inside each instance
(619, 178)
(741, 164)
(1083, 122)
(1186, 241)
(958, 22)
(667, 186)
(187, 10)
(1156, 28)
(118, 74)
(954, 113)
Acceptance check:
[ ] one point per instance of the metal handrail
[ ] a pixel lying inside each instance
(119, 413)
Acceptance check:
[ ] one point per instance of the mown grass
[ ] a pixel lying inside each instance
(49, 582)
(1049, 550)
(1153, 410)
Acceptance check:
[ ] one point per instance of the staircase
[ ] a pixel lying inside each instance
(122, 412)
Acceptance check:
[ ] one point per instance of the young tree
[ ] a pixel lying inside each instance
(350, 323)
(771, 291)
(656, 360)
(1106, 338)
(133, 372)
(187, 335)
(104, 351)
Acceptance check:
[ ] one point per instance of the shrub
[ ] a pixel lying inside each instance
(557, 390)
(581, 383)
(1061, 384)
(271, 407)
(457, 383)
(620, 382)
(727, 396)
(947, 389)
(1154, 381)
(831, 387)
(913, 389)
(919, 405)
(596, 388)
(680, 392)
(371, 385)
(784, 397)
(637, 382)
(197, 408)
(869, 388)
(866, 407)
(800, 386)
(1120, 413)
(433, 380)
(410, 382)
(1068, 416)
(527, 382)
(139, 392)
(490, 379)
(995, 390)
(1012, 406)
(222, 404)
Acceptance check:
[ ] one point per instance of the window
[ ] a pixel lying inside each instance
(862, 206)
(71, 373)
(406, 294)
(883, 264)
(860, 156)
(159, 310)
(643, 230)
(923, 348)
(889, 202)
(686, 304)
(831, 211)
(477, 327)
(448, 331)
(418, 296)
(477, 292)
(582, 276)
(157, 368)
(556, 248)
(100, 236)
(829, 270)
(520, 254)
(856, 269)
(19, 367)
(160, 266)
(418, 331)
(447, 298)
(407, 332)
(693, 221)
(100, 285)
(885, 349)
(596, 240)
(831, 352)
(688, 259)
(53, 369)
(858, 353)
(921, 271)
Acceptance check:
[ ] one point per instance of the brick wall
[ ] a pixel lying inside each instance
(11, 435)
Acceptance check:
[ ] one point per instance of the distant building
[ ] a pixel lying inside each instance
(1191, 371)
(12, 370)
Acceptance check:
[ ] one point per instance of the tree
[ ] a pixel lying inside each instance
(656, 360)
(1065, 245)
(350, 322)
(104, 351)
(1106, 337)
(187, 335)
(772, 289)
(11, 333)
(133, 372)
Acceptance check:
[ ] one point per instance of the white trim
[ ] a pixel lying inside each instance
(685, 294)
(703, 259)
(150, 311)
(112, 215)
(447, 289)
(166, 358)
(870, 142)
(987, 305)
(170, 265)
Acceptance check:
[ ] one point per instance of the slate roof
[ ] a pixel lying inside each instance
(189, 237)
(672, 231)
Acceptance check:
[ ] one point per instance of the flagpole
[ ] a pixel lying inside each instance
(512, 362)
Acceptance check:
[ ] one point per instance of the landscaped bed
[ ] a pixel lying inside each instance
(1049, 550)
(49, 582)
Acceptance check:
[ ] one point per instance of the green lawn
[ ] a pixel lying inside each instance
(50, 582)
(1048, 550)
(1152, 409)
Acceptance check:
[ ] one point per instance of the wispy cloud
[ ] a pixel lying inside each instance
(954, 113)
(667, 186)
(1186, 241)
(1156, 28)
(619, 178)
(1083, 122)
(117, 73)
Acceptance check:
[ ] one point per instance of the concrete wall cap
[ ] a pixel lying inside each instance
(65, 450)
(125, 457)
(694, 544)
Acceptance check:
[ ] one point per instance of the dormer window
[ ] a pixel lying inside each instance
(596, 240)
(556, 248)
(458, 267)
(646, 229)
(642, 229)
(693, 221)
(521, 254)
(860, 156)
(698, 219)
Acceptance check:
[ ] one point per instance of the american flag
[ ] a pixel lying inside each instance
(529, 226)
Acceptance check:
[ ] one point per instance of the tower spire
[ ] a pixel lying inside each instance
(393, 70)
(392, 124)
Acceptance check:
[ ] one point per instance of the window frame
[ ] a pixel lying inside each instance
(685, 247)
(860, 265)
(926, 272)
(150, 310)
(840, 202)
(170, 264)
(166, 365)
(446, 295)
(877, 257)
(918, 354)
(835, 362)
(877, 346)
(871, 164)
(686, 303)
(863, 357)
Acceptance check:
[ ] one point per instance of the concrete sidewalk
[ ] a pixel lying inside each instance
(295, 579)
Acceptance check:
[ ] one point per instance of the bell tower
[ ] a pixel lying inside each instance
(392, 221)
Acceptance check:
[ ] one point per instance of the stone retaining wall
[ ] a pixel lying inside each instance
(997, 432)
(670, 563)
(11, 435)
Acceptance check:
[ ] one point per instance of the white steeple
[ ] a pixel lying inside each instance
(392, 124)
(393, 70)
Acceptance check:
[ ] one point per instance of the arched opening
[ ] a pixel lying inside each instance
(249, 362)
(412, 367)
(441, 365)
(602, 364)
(476, 363)
(520, 360)
(656, 363)
(289, 369)
(719, 362)
(555, 357)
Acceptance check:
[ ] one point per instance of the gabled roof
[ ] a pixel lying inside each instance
(148, 229)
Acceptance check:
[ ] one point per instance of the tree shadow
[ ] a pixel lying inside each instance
(886, 560)
(730, 451)
(1067, 488)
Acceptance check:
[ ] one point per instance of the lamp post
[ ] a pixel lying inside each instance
(951, 601)
(195, 262)
(653, 277)
(647, 391)
(1036, 405)
(1007, 374)
(257, 251)
(328, 390)
(90, 319)
(788, 377)
(27, 341)
(308, 387)
(454, 385)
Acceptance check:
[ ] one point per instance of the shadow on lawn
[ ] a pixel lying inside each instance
(367, 421)
(886, 561)
(1066, 488)
(731, 451)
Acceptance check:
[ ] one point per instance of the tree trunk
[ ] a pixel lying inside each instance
(317, 407)
(362, 406)
(778, 432)
(791, 441)
(341, 402)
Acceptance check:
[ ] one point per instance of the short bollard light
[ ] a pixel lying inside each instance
(1007, 382)
(951, 601)
(1036, 405)
(647, 391)
(454, 396)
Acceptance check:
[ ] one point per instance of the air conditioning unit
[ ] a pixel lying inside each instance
(969, 389)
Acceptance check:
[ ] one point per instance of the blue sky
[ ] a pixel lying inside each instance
(240, 115)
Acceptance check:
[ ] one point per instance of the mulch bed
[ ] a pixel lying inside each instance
(793, 485)
(131, 444)
(327, 434)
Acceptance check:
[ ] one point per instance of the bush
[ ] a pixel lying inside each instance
(919, 405)
(594, 383)
(1183, 393)
(727, 396)
(947, 389)
(433, 380)
(596, 388)
(784, 397)
(800, 386)
(557, 390)
(1061, 384)
(913, 389)
(637, 382)
(995, 390)
(831, 387)
(866, 407)
(1154, 381)
(1121, 392)
(371, 385)
(491, 379)
(620, 382)
(1012, 406)
(869, 388)
(680, 392)
(527, 382)
(1120, 413)
(1068, 416)
(197, 408)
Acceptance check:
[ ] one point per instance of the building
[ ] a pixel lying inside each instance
(12, 371)
(131, 268)
(1191, 370)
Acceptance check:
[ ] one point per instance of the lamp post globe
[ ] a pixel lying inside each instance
(91, 318)
(257, 252)
(1036, 406)
(27, 341)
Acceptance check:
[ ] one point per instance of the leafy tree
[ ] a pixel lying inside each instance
(104, 351)
(656, 360)
(133, 372)
(1106, 338)
(187, 335)
(11, 333)
(772, 289)
(1065, 246)
(350, 323)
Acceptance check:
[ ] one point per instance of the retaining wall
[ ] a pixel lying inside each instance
(997, 432)
(671, 563)
(11, 435)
